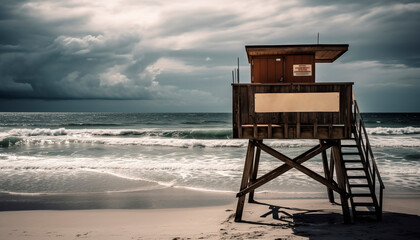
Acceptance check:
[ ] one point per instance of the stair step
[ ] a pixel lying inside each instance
(350, 153)
(353, 161)
(365, 213)
(364, 204)
(356, 177)
(348, 145)
(361, 195)
(355, 169)
(358, 185)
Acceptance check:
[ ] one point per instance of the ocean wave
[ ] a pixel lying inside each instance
(219, 133)
(54, 125)
(184, 138)
(204, 122)
(38, 132)
(181, 134)
(182, 143)
(376, 141)
(146, 141)
(90, 125)
(9, 141)
(184, 133)
(393, 131)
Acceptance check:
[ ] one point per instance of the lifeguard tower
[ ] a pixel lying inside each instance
(283, 101)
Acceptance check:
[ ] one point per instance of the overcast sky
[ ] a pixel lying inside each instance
(177, 56)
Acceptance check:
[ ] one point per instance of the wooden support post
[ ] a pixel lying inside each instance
(339, 167)
(331, 165)
(327, 173)
(254, 174)
(238, 113)
(298, 125)
(245, 178)
(286, 130)
(330, 131)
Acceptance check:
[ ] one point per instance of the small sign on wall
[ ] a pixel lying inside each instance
(300, 70)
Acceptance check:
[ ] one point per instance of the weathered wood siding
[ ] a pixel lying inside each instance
(306, 125)
(267, 69)
(299, 59)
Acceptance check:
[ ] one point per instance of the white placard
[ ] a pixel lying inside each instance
(300, 70)
(297, 102)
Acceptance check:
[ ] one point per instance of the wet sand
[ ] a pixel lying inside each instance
(185, 214)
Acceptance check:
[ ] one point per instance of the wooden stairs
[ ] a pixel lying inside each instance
(361, 173)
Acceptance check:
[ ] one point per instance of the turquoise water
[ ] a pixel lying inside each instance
(55, 153)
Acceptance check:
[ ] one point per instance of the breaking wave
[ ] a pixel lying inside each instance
(393, 131)
(221, 133)
(184, 138)
(9, 141)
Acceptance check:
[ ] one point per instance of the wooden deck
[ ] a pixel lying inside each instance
(251, 124)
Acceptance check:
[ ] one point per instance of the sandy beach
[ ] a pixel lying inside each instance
(207, 215)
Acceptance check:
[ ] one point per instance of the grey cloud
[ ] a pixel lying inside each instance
(73, 68)
(36, 61)
(66, 58)
(183, 21)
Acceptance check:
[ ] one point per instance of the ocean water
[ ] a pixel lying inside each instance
(73, 153)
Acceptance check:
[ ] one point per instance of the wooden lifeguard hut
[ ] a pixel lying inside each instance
(283, 101)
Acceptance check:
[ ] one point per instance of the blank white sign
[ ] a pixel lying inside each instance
(297, 102)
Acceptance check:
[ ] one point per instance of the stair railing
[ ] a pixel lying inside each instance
(372, 168)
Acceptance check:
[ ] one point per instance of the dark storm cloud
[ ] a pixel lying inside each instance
(38, 60)
(392, 36)
(182, 52)
(384, 31)
(69, 67)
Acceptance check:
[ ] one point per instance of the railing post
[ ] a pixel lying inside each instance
(374, 178)
(367, 155)
(379, 214)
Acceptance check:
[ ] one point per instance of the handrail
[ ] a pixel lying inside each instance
(367, 150)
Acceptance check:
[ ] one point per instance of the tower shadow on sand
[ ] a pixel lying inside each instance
(327, 224)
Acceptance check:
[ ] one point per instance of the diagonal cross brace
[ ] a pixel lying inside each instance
(298, 166)
(284, 168)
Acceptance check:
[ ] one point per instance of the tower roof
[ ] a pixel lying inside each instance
(324, 53)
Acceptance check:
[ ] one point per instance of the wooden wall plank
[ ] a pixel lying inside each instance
(256, 70)
(263, 70)
(246, 113)
(271, 70)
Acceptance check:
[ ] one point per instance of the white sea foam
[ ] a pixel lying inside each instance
(184, 138)
(38, 132)
(375, 140)
(125, 176)
(393, 131)
(210, 172)
(168, 133)
(138, 189)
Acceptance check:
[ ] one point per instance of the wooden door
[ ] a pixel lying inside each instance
(267, 69)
